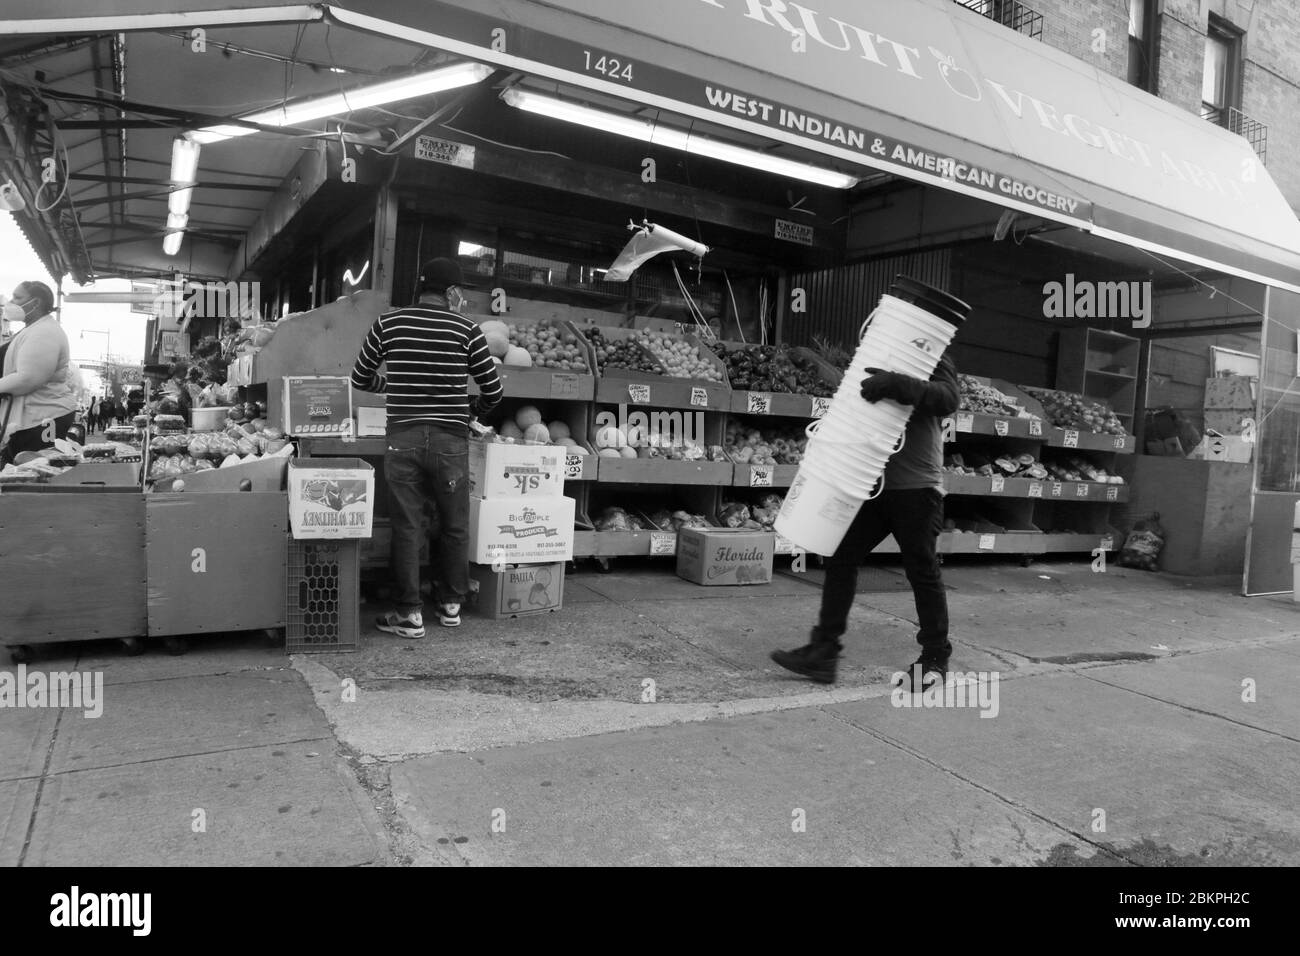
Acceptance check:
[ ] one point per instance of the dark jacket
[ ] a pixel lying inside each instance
(920, 463)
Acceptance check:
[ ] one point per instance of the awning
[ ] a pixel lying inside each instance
(924, 89)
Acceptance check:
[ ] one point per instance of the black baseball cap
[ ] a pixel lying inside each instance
(437, 275)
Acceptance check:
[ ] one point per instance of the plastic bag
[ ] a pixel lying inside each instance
(1143, 545)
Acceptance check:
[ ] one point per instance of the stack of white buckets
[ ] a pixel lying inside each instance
(849, 447)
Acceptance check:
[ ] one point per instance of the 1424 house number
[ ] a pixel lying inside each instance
(608, 66)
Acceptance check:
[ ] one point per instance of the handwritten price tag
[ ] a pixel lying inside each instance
(1036, 490)
(1120, 441)
(965, 422)
(998, 484)
(1056, 489)
(783, 544)
(1071, 439)
(760, 476)
(564, 386)
(759, 403)
(639, 393)
(663, 542)
(700, 397)
(573, 466)
(1081, 489)
(1000, 428)
(1108, 543)
(988, 542)
(1112, 493)
(1035, 427)
(820, 407)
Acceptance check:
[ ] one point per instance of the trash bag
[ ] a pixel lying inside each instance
(1143, 545)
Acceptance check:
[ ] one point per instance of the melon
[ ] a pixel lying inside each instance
(495, 327)
(629, 451)
(566, 441)
(575, 449)
(498, 344)
(518, 357)
(537, 433)
(509, 429)
(527, 416)
(610, 453)
(560, 430)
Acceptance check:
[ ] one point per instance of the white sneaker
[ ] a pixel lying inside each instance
(449, 615)
(410, 625)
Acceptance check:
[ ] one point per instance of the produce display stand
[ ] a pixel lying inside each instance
(72, 559)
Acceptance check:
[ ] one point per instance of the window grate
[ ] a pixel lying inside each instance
(1251, 130)
(1010, 13)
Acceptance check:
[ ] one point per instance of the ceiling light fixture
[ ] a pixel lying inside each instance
(657, 134)
(378, 94)
(185, 170)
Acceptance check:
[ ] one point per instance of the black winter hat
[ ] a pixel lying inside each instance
(437, 275)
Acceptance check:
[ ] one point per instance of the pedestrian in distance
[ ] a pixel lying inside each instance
(431, 349)
(910, 507)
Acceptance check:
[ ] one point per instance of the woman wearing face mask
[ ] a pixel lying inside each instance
(39, 405)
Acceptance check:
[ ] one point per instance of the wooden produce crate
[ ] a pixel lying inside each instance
(661, 471)
(73, 565)
(547, 383)
(785, 404)
(216, 561)
(626, 387)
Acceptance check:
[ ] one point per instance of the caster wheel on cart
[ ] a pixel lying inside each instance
(133, 646)
(604, 565)
(176, 646)
(20, 654)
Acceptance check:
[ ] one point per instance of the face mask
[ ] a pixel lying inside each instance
(13, 312)
(455, 300)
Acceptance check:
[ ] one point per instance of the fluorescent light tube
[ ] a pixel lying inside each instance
(185, 168)
(172, 243)
(636, 128)
(390, 91)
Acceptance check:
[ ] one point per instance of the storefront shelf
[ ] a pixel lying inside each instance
(764, 476)
(778, 405)
(544, 383)
(661, 471)
(1087, 441)
(1085, 491)
(979, 423)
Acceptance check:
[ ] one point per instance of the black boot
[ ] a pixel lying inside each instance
(931, 667)
(815, 661)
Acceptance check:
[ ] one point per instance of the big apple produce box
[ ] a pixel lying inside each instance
(725, 556)
(331, 498)
(498, 470)
(521, 530)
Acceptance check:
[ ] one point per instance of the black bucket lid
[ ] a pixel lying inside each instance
(947, 307)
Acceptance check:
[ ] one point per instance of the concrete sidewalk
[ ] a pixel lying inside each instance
(644, 724)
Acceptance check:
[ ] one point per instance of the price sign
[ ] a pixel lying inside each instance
(1071, 439)
(1112, 493)
(573, 466)
(988, 542)
(1000, 428)
(564, 386)
(820, 407)
(700, 397)
(639, 393)
(1081, 489)
(949, 430)
(759, 403)
(1035, 426)
(663, 542)
(1056, 489)
(1108, 543)
(965, 422)
(998, 484)
(760, 476)
(1120, 441)
(783, 544)
(1036, 490)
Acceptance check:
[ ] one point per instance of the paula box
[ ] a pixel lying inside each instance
(519, 590)
(498, 470)
(521, 530)
(331, 498)
(725, 556)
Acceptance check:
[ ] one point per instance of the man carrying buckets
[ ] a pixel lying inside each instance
(910, 507)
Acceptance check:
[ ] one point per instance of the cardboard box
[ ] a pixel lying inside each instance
(265, 474)
(101, 474)
(498, 470)
(520, 590)
(521, 530)
(1227, 448)
(725, 556)
(331, 498)
(318, 406)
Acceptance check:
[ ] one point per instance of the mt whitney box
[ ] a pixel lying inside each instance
(498, 470)
(521, 530)
(725, 556)
(331, 498)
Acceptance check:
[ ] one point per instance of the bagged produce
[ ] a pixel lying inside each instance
(1143, 545)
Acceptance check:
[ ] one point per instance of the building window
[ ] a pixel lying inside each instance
(1142, 44)
(1221, 82)
(1010, 13)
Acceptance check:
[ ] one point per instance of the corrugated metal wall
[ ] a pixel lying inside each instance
(839, 300)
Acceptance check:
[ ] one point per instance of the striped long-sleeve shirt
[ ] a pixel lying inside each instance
(430, 353)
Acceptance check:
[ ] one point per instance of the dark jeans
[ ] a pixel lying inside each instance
(34, 438)
(428, 462)
(914, 518)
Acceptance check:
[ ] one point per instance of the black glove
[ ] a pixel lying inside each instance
(893, 385)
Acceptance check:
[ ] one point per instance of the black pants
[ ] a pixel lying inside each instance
(34, 438)
(914, 518)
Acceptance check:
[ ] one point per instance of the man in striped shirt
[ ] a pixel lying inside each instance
(430, 350)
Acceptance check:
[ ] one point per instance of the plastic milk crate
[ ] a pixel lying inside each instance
(324, 596)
